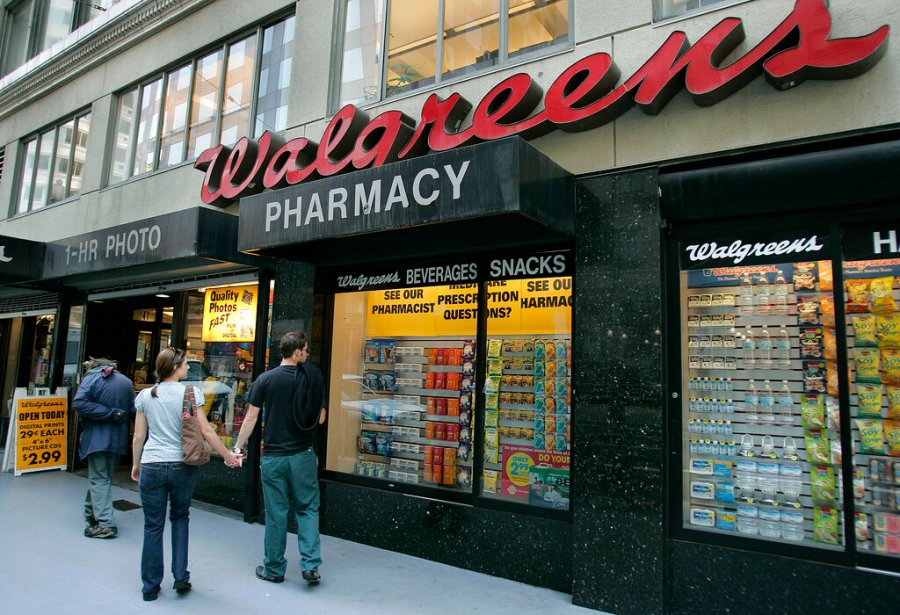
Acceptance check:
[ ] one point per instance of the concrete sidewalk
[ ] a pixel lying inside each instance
(50, 567)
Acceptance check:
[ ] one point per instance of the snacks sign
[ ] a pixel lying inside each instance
(229, 314)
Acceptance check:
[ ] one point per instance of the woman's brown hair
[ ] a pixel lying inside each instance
(167, 361)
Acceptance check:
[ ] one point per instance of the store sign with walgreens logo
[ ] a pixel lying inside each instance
(584, 96)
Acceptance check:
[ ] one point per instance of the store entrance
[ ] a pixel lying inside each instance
(131, 330)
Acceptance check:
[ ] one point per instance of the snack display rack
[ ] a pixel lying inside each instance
(873, 342)
(528, 401)
(415, 406)
(761, 421)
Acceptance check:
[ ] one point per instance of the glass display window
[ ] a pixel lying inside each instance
(871, 272)
(403, 385)
(407, 406)
(760, 402)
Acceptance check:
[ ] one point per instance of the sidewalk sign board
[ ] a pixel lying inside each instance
(37, 432)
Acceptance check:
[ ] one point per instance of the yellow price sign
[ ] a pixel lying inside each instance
(229, 314)
(41, 433)
(423, 311)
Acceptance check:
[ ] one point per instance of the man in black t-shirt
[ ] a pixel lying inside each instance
(289, 469)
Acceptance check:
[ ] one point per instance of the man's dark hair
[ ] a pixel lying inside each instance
(291, 341)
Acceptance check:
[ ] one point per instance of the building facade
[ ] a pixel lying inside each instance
(635, 355)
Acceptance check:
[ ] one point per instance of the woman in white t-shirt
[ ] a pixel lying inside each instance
(162, 474)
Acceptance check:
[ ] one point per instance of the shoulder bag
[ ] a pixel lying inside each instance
(196, 452)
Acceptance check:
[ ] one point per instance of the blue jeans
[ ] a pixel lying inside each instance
(98, 504)
(291, 476)
(171, 482)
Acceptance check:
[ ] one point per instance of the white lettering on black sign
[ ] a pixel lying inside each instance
(454, 274)
(887, 243)
(126, 243)
(738, 250)
(3, 257)
(545, 265)
(367, 200)
(361, 281)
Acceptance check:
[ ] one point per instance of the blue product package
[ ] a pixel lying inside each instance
(726, 521)
(560, 424)
(725, 492)
(387, 348)
(383, 444)
(539, 422)
(367, 442)
(562, 386)
(539, 443)
(369, 413)
(372, 379)
(373, 351)
(388, 381)
(539, 387)
(538, 368)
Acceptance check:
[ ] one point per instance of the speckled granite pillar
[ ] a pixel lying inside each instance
(293, 305)
(618, 541)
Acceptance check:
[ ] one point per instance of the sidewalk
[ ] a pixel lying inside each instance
(50, 567)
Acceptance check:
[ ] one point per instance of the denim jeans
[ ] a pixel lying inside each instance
(98, 504)
(283, 478)
(171, 482)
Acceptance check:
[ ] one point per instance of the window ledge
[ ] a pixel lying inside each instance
(25, 214)
(695, 13)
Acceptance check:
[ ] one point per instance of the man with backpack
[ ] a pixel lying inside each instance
(293, 396)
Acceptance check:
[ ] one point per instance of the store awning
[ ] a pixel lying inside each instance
(187, 242)
(20, 260)
(491, 195)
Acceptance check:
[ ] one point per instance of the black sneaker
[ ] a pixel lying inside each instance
(101, 532)
(261, 574)
(182, 586)
(150, 596)
(312, 576)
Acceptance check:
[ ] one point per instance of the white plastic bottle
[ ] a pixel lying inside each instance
(782, 349)
(747, 299)
(751, 403)
(785, 404)
(763, 354)
(749, 346)
(763, 295)
(780, 292)
(766, 403)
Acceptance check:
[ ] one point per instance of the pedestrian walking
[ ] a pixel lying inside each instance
(162, 474)
(105, 404)
(293, 396)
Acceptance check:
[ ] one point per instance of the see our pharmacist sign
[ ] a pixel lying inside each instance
(534, 306)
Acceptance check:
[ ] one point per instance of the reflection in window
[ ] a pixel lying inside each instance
(274, 77)
(148, 127)
(53, 164)
(15, 36)
(238, 90)
(171, 148)
(206, 102)
(475, 35)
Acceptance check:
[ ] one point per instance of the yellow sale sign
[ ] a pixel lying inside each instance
(229, 314)
(41, 433)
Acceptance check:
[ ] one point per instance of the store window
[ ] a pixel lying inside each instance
(53, 164)
(436, 41)
(31, 26)
(871, 272)
(404, 395)
(791, 383)
(174, 116)
(664, 10)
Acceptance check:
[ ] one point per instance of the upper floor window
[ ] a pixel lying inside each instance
(673, 9)
(31, 26)
(238, 89)
(431, 41)
(53, 167)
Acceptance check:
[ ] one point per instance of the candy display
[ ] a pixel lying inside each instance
(528, 401)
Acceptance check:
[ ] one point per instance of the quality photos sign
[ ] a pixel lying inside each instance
(229, 314)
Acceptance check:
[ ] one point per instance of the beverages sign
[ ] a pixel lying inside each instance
(583, 96)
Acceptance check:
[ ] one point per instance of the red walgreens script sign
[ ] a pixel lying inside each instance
(584, 96)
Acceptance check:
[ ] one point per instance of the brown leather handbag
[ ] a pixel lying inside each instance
(196, 451)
